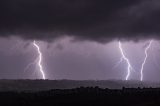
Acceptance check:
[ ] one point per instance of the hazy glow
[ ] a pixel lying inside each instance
(126, 59)
(29, 65)
(65, 59)
(146, 56)
(40, 60)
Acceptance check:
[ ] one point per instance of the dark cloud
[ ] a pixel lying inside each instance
(100, 20)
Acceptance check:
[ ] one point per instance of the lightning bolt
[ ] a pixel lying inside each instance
(29, 65)
(146, 56)
(40, 60)
(126, 59)
(117, 64)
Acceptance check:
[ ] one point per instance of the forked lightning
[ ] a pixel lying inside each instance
(146, 56)
(129, 68)
(40, 60)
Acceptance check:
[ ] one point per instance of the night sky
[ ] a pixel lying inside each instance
(79, 39)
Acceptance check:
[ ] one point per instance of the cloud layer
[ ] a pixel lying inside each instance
(98, 20)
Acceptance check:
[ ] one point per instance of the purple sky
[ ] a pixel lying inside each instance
(78, 60)
(79, 38)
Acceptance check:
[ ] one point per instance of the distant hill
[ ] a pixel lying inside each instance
(40, 85)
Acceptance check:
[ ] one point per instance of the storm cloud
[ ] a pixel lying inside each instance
(98, 20)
